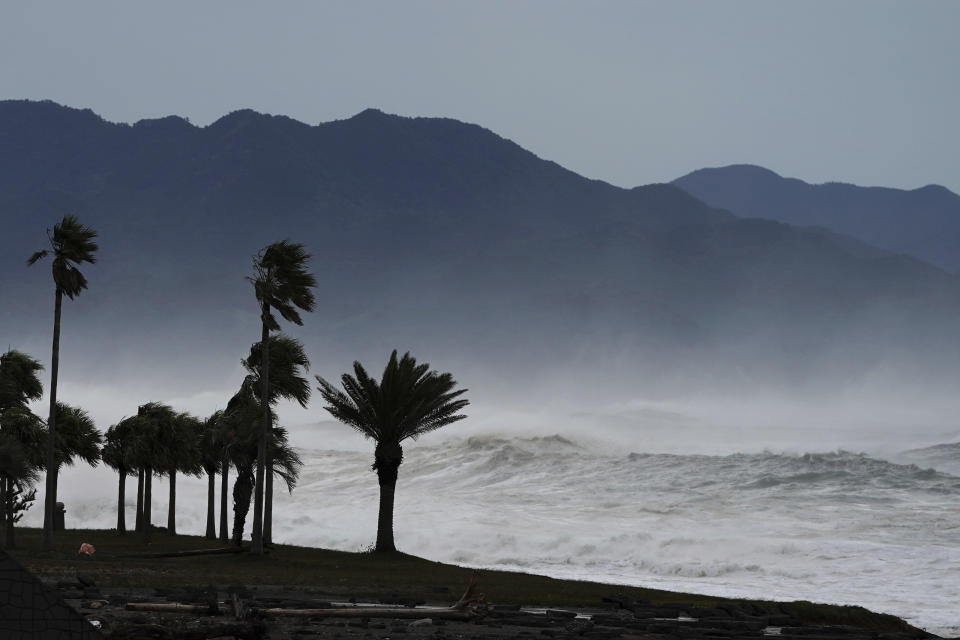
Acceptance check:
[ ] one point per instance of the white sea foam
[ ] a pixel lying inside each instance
(829, 527)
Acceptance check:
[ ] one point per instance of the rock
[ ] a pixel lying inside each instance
(422, 622)
(85, 580)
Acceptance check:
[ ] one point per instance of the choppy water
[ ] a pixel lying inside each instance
(830, 527)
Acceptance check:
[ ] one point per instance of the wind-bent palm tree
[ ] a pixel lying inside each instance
(71, 244)
(408, 402)
(211, 457)
(182, 455)
(77, 439)
(151, 454)
(17, 473)
(285, 463)
(241, 426)
(118, 454)
(281, 282)
(288, 362)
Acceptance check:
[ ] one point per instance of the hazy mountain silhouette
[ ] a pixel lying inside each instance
(444, 238)
(924, 222)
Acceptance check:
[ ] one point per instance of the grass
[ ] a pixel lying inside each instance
(359, 575)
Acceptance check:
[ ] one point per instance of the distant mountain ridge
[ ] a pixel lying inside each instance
(441, 237)
(923, 222)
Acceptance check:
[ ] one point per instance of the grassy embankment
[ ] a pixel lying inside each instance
(359, 575)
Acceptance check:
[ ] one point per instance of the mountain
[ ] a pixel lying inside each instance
(924, 223)
(443, 238)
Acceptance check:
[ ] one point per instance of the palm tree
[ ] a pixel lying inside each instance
(240, 426)
(151, 454)
(17, 472)
(408, 402)
(118, 453)
(77, 439)
(183, 456)
(71, 244)
(211, 458)
(284, 463)
(281, 282)
(22, 432)
(288, 360)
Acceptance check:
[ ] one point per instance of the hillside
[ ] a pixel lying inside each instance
(924, 222)
(443, 238)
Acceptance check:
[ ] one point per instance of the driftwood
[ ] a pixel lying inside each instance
(168, 607)
(468, 607)
(184, 554)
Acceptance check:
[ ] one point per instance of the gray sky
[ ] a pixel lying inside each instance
(628, 92)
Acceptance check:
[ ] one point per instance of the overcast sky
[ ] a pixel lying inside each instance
(627, 92)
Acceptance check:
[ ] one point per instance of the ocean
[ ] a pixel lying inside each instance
(833, 526)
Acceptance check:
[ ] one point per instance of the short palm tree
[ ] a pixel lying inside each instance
(17, 473)
(281, 282)
(151, 453)
(19, 380)
(409, 401)
(210, 454)
(182, 456)
(71, 244)
(118, 454)
(77, 440)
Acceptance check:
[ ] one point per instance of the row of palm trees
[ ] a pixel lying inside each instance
(409, 400)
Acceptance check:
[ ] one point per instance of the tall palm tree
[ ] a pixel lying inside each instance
(118, 454)
(71, 244)
(211, 458)
(281, 282)
(408, 402)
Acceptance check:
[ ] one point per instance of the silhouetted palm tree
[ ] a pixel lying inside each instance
(23, 432)
(211, 458)
(77, 439)
(118, 454)
(181, 447)
(285, 463)
(288, 364)
(151, 454)
(71, 244)
(408, 402)
(281, 282)
(17, 473)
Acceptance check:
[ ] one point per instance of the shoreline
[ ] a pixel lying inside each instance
(310, 573)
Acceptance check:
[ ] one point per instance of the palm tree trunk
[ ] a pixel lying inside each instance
(268, 506)
(224, 486)
(6, 490)
(242, 489)
(50, 499)
(211, 511)
(172, 508)
(387, 476)
(139, 523)
(121, 508)
(256, 537)
(147, 500)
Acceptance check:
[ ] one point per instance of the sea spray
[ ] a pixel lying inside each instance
(836, 527)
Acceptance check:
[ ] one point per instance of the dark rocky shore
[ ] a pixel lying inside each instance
(617, 617)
